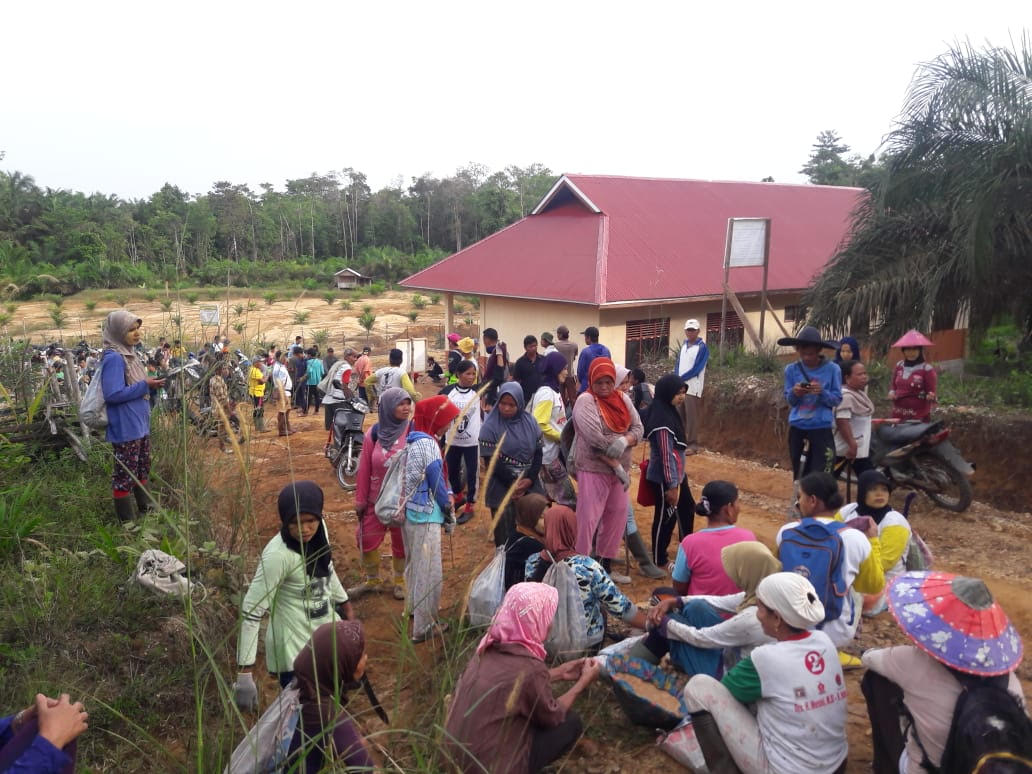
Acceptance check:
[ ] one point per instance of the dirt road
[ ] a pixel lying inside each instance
(986, 542)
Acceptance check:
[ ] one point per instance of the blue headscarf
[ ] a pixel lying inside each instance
(555, 362)
(854, 345)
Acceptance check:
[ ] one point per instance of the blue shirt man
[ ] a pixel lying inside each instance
(589, 353)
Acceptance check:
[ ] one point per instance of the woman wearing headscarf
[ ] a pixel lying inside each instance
(382, 441)
(514, 435)
(960, 639)
(126, 389)
(296, 584)
(702, 634)
(428, 509)
(330, 665)
(607, 427)
(549, 411)
(914, 381)
(848, 349)
(597, 590)
(795, 683)
(504, 717)
(674, 502)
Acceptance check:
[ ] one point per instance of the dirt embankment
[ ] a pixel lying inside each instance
(750, 419)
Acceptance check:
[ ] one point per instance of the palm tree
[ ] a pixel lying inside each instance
(948, 227)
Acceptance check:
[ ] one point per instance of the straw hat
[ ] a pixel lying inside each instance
(913, 338)
(807, 336)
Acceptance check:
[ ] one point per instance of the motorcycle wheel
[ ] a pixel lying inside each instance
(347, 469)
(953, 490)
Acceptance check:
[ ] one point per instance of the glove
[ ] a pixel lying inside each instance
(245, 692)
(622, 476)
(617, 447)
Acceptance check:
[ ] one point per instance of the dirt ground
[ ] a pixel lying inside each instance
(984, 541)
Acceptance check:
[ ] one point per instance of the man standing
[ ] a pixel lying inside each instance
(493, 365)
(548, 342)
(340, 375)
(329, 360)
(314, 373)
(691, 365)
(299, 373)
(592, 349)
(362, 369)
(392, 376)
(526, 369)
(569, 351)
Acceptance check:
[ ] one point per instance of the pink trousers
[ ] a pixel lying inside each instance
(602, 509)
(370, 534)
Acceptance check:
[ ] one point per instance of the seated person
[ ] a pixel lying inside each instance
(980, 646)
(894, 532)
(703, 633)
(795, 683)
(332, 663)
(596, 587)
(41, 738)
(434, 370)
(504, 717)
(698, 568)
(530, 532)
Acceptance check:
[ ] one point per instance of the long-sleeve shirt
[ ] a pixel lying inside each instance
(40, 757)
(594, 436)
(297, 605)
(219, 392)
(425, 484)
(813, 412)
(666, 459)
(691, 365)
(913, 389)
(588, 354)
(372, 467)
(548, 410)
(128, 405)
(742, 630)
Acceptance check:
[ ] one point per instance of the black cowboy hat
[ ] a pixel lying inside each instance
(807, 336)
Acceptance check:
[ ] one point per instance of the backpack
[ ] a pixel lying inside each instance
(989, 734)
(264, 749)
(390, 503)
(814, 549)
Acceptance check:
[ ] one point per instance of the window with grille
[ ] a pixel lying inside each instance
(734, 332)
(647, 341)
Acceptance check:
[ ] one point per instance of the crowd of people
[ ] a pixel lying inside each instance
(545, 443)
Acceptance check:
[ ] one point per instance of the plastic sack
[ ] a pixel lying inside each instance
(683, 746)
(568, 636)
(919, 555)
(164, 574)
(92, 407)
(390, 503)
(649, 696)
(488, 590)
(264, 749)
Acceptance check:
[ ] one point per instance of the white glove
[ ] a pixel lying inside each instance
(624, 479)
(245, 692)
(617, 447)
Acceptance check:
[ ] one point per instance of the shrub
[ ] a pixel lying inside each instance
(57, 301)
(367, 309)
(150, 296)
(320, 337)
(418, 301)
(251, 306)
(435, 298)
(166, 304)
(12, 308)
(270, 298)
(213, 293)
(238, 309)
(458, 308)
(58, 316)
(330, 298)
(413, 315)
(5, 319)
(122, 300)
(474, 301)
(191, 298)
(301, 316)
(90, 305)
(345, 304)
(377, 288)
(367, 320)
(311, 284)
(239, 328)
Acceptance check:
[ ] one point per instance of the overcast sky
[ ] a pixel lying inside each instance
(121, 97)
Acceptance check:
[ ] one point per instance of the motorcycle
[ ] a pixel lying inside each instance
(919, 455)
(345, 442)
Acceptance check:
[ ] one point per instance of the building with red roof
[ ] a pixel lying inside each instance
(637, 257)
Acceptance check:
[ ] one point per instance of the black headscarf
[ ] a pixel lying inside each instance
(662, 413)
(305, 497)
(868, 479)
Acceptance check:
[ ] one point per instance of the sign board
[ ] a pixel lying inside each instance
(413, 353)
(209, 315)
(748, 242)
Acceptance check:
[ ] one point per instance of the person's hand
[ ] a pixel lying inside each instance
(245, 692)
(851, 451)
(571, 670)
(449, 527)
(670, 497)
(872, 529)
(346, 611)
(153, 383)
(892, 395)
(656, 613)
(521, 488)
(60, 721)
(590, 671)
(617, 447)
(799, 390)
(815, 388)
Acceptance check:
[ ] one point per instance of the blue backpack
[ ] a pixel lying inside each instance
(814, 549)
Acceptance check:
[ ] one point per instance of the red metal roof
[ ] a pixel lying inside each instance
(650, 239)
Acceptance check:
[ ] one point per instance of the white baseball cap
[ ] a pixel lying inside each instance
(692, 324)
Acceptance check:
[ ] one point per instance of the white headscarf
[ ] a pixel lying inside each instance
(792, 597)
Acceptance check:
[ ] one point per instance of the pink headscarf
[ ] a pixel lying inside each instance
(524, 618)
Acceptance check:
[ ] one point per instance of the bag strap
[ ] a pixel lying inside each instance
(911, 729)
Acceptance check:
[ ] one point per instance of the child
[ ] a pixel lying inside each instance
(434, 370)
(464, 443)
(529, 537)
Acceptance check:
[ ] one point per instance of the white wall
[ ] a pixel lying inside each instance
(515, 318)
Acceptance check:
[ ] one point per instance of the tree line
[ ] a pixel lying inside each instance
(55, 240)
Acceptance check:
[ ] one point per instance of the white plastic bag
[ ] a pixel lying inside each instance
(92, 407)
(390, 503)
(163, 574)
(264, 749)
(488, 590)
(683, 746)
(568, 637)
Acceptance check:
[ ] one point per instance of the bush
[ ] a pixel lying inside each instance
(166, 304)
(320, 337)
(213, 293)
(252, 306)
(5, 319)
(311, 284)
(58, 316)
(413, 315)
(474, 301)
(238, 309)
(90, 305)
(239, 328)
(418, 301)
(345, 304)
(12, 308)
(377, 289)
(367, 320)
(458, 308)
(270, 298)
(191, 298)
(330, 298)
(435, 298)
(150, 296)
(301, 316)
(367, 309)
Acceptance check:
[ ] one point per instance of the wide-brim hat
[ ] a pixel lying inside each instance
(807, 336)
(913, 338)
(956, 621)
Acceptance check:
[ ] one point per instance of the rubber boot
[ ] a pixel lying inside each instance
(281, 423)
(718, 757)
(124, 509)
(399, 577)
(259, 421)
(143, 501)
(607, 565)
(371, 568)
(645, 564)
(290, 430)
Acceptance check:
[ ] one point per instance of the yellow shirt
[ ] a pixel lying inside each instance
(256, 382)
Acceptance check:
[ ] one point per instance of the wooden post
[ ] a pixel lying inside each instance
(723, 301)
(774, 316)
(449, 311)
(766, 264)
(730, 295)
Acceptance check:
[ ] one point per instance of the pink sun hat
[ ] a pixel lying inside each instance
(913, 338)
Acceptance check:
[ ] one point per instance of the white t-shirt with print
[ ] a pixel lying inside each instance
(467, 425)
(387, 377)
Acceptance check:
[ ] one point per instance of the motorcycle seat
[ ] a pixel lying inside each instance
(905, 432)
